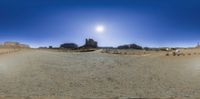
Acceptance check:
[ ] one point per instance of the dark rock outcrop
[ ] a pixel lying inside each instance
(90, 43)
(129, 46)
(69, 45)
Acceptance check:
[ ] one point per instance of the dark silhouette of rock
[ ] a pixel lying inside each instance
(90, 43)
(69, 45)
(129, 46)
(50, 47)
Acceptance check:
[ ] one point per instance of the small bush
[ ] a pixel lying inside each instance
(174, 54)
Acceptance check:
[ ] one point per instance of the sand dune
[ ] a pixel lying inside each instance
(95, 74)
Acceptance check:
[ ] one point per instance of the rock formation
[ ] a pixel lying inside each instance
(90, 43)
(129, 46)
(14, 45)
(69, 45)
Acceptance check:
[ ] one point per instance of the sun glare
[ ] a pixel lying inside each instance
(100, 29)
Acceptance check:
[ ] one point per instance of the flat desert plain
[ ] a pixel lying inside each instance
(96, 75)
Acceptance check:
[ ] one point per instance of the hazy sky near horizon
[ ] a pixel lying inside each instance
(145, 22)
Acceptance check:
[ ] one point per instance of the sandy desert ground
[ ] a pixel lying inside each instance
(98, 75)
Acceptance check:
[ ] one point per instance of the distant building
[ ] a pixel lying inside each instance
(69, 45)
(90, 43)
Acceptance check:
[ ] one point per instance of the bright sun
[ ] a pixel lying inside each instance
(100, 29)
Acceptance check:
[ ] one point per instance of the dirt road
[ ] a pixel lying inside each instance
(48, 73)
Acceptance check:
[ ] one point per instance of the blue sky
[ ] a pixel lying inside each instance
(154, 23)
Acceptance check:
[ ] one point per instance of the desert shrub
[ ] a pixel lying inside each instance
(115, 52)
(174, 53)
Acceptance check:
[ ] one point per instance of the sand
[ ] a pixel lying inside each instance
(8, 50)
(98, 75)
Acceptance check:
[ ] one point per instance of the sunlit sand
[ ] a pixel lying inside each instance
(34, 72)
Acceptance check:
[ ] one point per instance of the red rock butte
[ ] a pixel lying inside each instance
(13, 45)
